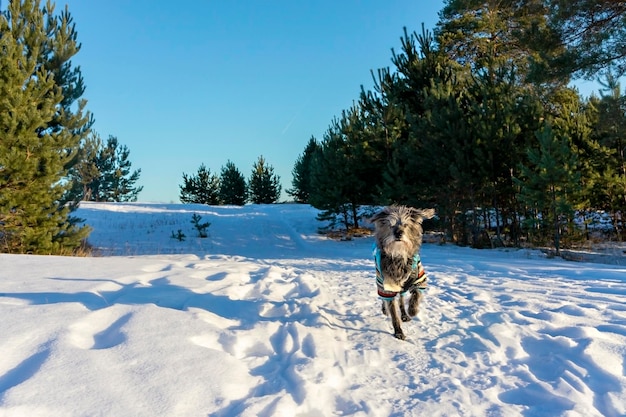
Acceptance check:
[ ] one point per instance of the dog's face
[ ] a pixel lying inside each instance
(399, 229)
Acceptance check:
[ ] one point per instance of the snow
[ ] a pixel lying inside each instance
(265, 317)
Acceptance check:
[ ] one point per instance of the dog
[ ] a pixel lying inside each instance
(398, 240)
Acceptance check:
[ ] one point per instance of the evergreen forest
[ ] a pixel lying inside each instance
(479, 120)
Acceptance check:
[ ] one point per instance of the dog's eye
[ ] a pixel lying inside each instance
(392, 222)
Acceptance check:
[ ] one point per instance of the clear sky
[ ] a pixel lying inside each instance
(207, 81)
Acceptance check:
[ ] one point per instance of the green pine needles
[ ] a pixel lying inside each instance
(41, 125)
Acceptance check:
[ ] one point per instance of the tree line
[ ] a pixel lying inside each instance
(230, 187)
(478, 120)
(475, 119)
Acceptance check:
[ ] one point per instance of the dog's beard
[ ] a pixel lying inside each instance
(398, 248)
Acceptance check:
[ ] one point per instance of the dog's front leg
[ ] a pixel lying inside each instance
(403, 315)
(385, 308)
(414, 302)
(395, 319)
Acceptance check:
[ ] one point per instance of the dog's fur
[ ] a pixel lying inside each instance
(398, 233)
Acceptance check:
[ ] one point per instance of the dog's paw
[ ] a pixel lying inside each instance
(400, 336)
(407, 318)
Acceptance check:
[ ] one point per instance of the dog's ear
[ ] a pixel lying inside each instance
(422, 214)
(378, 216)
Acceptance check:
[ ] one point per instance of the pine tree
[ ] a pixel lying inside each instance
(613, 119)
(549, 184)
(481, 33)
(233, 187)
(116, 181)
(85, 174)
(410, 175)
(492, 118)
(202, 188)
(39, 134)
(606, 181)
(103, 171)
(594, 34)
(301, 172)
(448, 164)
(328, 187)
(341, 171)
(264, 185)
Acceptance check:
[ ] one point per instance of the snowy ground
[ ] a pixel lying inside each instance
(267, 318)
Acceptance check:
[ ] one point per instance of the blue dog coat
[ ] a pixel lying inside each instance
(417, 280)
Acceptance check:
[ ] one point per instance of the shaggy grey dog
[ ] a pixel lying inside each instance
(398, 233)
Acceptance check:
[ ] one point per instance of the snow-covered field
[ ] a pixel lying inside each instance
(267, 318)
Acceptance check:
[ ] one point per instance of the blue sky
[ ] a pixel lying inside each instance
(209, 81)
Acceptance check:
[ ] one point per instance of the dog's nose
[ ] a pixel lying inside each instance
(398, 234)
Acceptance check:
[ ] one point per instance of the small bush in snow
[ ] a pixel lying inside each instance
(200, 227)
(180, 236)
